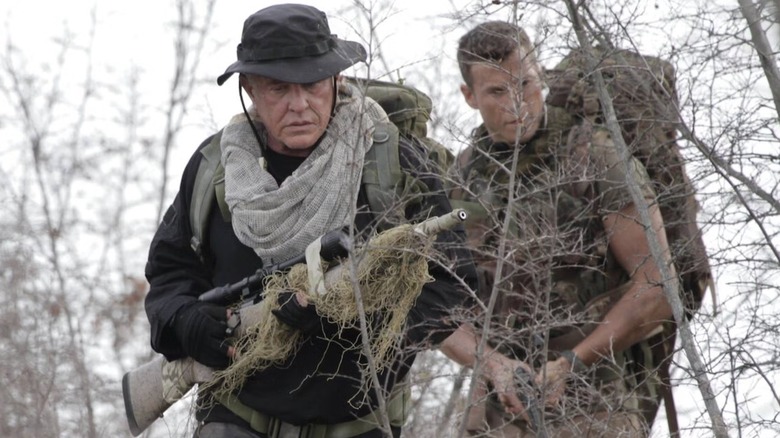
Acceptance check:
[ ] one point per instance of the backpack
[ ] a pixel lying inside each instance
(410, 111)
(383, 180)
(644, 96)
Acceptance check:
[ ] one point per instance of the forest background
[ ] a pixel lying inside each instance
(102, 103)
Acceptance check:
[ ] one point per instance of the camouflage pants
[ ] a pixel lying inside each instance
(615, 416)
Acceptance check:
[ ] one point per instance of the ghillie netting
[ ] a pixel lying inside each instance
(390, 270)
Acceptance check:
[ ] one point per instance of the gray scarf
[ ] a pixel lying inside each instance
(278, 222)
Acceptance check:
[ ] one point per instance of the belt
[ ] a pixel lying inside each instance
(398, 407)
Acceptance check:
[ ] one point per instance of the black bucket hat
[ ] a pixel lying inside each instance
(292, 43)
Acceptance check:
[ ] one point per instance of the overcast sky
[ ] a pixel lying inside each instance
(138, 36)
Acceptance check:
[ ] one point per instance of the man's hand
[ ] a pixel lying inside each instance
(552, 380)
(499, 370)
(295, 311)
(202, 331)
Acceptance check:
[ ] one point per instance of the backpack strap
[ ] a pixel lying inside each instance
(665, 349)
(383, 179)
(209, 185)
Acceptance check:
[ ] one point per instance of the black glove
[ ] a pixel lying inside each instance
(290, 312)
(202, 331)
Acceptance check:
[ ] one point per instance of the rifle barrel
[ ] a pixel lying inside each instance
(334, 245)
(438, 224)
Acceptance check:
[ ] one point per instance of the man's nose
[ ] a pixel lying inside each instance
(514, 102)
(298, 98)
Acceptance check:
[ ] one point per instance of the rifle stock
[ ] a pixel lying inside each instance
(150, 389)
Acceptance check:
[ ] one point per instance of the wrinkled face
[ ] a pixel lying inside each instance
(295, 115)
(508, 96)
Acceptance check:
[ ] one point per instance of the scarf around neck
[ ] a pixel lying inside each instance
(279, 221)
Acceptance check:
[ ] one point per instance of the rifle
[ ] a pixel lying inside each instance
(334, 245)
(150, 389)
(527, 394)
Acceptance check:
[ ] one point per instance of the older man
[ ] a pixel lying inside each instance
(293, 167)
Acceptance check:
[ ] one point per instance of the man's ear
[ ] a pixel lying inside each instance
(468, 94)
(249, 86)
(245, 83)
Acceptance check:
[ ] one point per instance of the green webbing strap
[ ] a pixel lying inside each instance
(382, 174)
(398, 407)
(203, 192)
(219, 191)
(209, 184)
(659, 350)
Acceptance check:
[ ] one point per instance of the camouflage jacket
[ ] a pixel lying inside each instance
(537, 232)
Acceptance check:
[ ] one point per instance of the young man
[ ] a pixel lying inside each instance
(578, 289)
(293, 171)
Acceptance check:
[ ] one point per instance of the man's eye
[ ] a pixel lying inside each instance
(275, 87)
(319, 85)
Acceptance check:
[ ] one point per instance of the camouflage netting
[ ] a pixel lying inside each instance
(390, 273)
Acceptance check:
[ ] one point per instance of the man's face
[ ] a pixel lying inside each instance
(508, 96)
(295, 115)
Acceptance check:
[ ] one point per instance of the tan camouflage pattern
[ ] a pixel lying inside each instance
(179, 376)
(644, 96)
(557, 261)
(557, 279)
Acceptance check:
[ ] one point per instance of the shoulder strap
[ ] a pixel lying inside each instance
(209, 185)
(382, 174)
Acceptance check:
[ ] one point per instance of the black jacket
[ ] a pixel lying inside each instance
(321, 382)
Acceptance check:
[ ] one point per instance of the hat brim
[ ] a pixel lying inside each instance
(302, 70)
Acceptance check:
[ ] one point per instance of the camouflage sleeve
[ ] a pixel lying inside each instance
(611, 177)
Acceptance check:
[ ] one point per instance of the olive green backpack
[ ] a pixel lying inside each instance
(384, 182)
(644, 96)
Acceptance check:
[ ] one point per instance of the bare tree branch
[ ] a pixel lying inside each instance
(763, 49)
(671, 284)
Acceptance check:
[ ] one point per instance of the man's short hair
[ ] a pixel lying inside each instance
(492, 41)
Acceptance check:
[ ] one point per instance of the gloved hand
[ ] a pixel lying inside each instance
(202, 331)
(292, 313)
